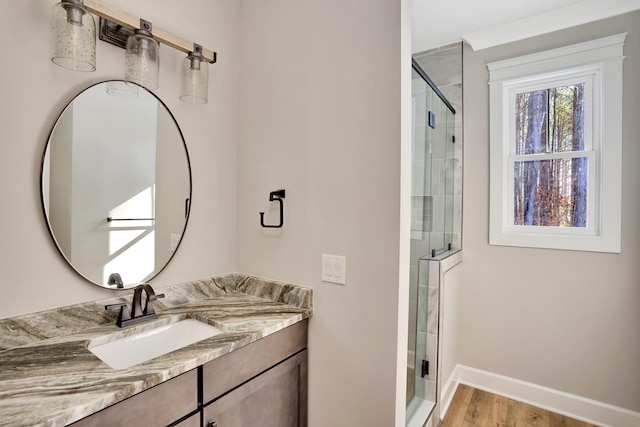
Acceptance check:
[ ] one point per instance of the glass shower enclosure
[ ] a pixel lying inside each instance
(435, 163)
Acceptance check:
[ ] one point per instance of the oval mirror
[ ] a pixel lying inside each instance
(116, 184)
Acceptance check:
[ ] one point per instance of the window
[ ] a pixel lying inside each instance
(551, 153)
(556, 148)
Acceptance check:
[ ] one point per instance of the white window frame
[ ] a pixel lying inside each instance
(599, 64)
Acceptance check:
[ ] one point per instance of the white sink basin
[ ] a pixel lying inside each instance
(129, 351)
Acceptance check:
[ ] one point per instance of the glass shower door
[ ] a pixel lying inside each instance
(431, 235)
(421, 224)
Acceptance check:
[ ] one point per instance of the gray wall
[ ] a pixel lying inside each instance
(563, 319)
(320, 116)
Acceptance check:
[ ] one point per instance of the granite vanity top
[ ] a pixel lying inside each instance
(48, 377)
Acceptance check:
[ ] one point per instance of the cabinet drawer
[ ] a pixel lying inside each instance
(275, 398)
(158, 406)
(232, 369)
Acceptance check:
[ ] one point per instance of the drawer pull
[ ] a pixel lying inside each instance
(212, 424)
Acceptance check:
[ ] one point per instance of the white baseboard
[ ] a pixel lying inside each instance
(571, 405)
(448, 390)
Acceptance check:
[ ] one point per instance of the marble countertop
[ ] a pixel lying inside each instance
(48, 377)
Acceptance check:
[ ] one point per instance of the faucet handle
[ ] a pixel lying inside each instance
(124, 312)
(151, 296)
(155, 297)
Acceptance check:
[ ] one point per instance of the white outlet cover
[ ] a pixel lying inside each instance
(334, 269)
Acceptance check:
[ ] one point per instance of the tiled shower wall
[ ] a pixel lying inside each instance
(428, 315)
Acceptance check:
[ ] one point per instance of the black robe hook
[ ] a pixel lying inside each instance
(277, 195)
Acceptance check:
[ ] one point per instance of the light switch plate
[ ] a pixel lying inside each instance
(334, 268)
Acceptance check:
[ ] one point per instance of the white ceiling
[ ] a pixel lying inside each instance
(487, 23)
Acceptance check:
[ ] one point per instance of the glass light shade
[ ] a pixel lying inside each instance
(142, 60)
(121, 89)
(73, 36)
(194, 81)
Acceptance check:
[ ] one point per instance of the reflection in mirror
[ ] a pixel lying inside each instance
(116, 184)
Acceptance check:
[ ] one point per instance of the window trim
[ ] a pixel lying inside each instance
(601, 60)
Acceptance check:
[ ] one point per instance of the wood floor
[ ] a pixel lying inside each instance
(472, 407)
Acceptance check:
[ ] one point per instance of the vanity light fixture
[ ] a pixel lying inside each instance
(194, 81)
(73, 36)
(142, 57)
(73, 33)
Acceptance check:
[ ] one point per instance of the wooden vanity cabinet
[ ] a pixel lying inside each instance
(263, 383)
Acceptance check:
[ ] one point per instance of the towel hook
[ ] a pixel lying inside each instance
(277, 195)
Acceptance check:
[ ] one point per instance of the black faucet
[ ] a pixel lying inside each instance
(115, 280)
(137, 313)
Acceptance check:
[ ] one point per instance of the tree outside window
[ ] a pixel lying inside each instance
(550, 192)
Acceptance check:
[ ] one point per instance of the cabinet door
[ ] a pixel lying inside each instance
(276, 398)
